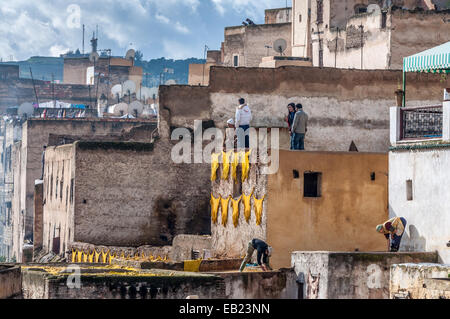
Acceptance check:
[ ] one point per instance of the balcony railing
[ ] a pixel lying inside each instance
(65, 113)
(422, 122)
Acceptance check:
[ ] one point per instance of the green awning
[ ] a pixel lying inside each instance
(434, 60)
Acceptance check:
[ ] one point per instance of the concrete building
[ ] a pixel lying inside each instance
(418, 183)
(365, 34)
(315, 201)
(199, 73)
(343, 105)
(120, 194)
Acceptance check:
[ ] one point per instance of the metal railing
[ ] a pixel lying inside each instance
(421, 122)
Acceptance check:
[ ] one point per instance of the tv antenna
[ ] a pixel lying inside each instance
(129, 87)
(25, 109)
(280, 46)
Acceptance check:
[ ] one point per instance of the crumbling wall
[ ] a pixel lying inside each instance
(137, 200)
(10, 281)
(250, 43)
(352, 275)
(419, 281)
(35, 134)
(414, 32)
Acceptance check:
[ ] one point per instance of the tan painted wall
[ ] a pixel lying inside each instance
(199, 73)
(342, 219)
(280, 15)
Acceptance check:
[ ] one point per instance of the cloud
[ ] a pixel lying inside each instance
(162, 18)
(252, 8)
(181, 28)
(176, 50)
(57, 50)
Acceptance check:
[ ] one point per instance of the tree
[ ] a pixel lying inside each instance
(138, 56)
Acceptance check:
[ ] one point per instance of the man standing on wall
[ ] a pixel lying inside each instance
(299, 127)
(264, 252)
(243, 118)
(290, 120)
(393, 228)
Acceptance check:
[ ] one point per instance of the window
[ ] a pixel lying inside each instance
(360, 8)
(312, 184)
(296, 174)
(300, 18)
(409, 191)
(319, 11)
(235, 60)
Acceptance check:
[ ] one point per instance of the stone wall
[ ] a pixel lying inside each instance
(343, 105)
(352, 275)
(10, 281)
(280, 15)
(420, 281)
(228, 240)
(428, 221)
(249, 43)
(123, 195)
(35, 134)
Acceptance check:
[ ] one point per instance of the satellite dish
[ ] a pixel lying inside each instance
(119, 109)
(26, 109)
(374, 8)
(117, 90)
(136, 108)
(93, 57)
(171, 82)
(144, 93)
(130, 54)
(280, 46)
(129, 87)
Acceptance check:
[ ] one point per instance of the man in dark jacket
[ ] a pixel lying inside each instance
(264, 252)
(299, 127)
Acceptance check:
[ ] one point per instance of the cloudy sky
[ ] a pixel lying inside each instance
(170, 28)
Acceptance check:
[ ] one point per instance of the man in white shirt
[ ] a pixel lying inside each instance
(243, 119)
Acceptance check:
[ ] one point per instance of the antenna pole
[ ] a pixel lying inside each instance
(83, 38)
(53, 91)
(34, 87)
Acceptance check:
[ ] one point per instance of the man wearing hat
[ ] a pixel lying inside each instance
(230, 136)
(393, 229)
(264, 252)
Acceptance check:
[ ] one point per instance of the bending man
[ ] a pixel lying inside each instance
(264, 252)
(393, 229)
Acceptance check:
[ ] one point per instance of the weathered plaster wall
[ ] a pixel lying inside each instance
(352, 275)
(428, 227)
(280, 15)
(342, 219)
(35, 134)
(343, 105)
(249, 43)
(183, 245)
(38, 217)
(414, 32)
(59, 190)
(10, 281)
(261, 285)
(419, 281)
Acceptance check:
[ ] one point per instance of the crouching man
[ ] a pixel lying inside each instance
(264, 251)
(393, 229)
